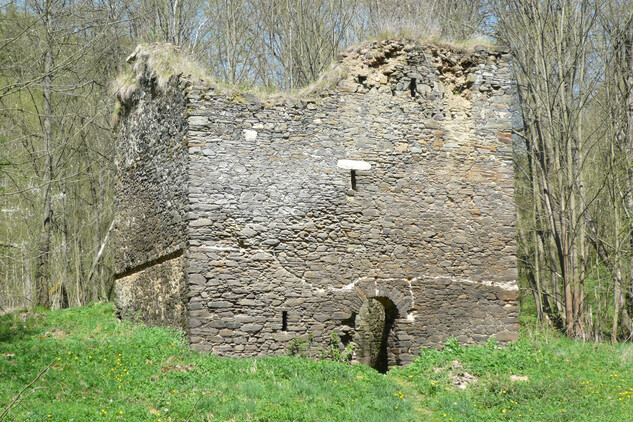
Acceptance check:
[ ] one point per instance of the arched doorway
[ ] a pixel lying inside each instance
(374, 334)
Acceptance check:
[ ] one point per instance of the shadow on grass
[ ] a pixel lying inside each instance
(21, 325)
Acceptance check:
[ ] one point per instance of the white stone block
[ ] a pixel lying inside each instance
(250, 135)
(353, 165)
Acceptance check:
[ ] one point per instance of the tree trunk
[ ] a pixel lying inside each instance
(42, 271)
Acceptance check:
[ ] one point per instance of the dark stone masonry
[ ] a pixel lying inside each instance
(379, 206)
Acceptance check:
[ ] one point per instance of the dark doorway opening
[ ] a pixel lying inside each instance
(391, 313)
(374, 334)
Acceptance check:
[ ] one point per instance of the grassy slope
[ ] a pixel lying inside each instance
(106, 370)
(566, 381)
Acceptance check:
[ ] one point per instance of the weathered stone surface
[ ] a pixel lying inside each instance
(507, 336)
(276, 245)
(508, 295)
(151, 198)
(137, 294)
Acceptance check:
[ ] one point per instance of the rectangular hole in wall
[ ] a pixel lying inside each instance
(413, 87)
(284, 321)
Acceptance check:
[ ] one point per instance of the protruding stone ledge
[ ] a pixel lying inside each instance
(353, 165)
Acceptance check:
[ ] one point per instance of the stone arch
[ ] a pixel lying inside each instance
(394, 301)
(397, 291)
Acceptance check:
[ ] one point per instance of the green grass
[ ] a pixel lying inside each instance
(106, 370)
(102, 369)
(566, 381)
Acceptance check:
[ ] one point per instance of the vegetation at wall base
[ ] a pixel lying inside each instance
(103, 369)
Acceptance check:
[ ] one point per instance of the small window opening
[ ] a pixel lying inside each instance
(353, 175)
(284, 321)
(413, 87)
(351, 321)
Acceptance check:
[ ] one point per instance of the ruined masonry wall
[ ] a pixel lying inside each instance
(151, 201)
(275, 230)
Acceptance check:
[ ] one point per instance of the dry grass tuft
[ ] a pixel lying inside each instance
(161, 61)
(327, 82)
(626, 357)
(158, 61)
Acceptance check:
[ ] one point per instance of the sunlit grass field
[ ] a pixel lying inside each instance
(103, 369)
(93, 367)
(539, 378)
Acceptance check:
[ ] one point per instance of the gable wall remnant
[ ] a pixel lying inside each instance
(151, 201)
(281, 243)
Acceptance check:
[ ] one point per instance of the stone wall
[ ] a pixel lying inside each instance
(151, 199)
(280, 246)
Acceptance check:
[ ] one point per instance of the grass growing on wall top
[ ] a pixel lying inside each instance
(101, 369)
(161, 61)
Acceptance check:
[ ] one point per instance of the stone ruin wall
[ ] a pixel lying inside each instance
(278, 245)
(151, 201)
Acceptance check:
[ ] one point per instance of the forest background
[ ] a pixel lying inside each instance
(573, 128)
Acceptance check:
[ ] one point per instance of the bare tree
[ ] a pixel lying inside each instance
(555, 82)
(57, 114)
